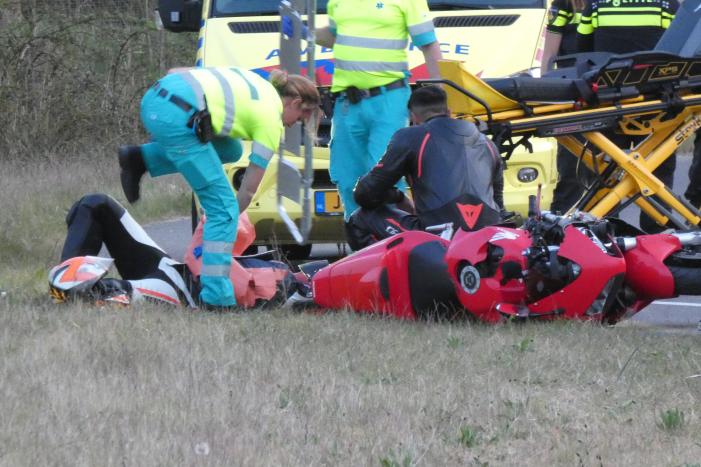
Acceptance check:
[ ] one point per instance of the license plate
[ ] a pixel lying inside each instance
(327, 203)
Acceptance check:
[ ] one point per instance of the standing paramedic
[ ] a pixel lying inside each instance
(195, 118)
(370, 79)
(454, 171)
(620, 28)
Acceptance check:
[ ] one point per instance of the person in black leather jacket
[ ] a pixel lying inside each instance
(454, 171)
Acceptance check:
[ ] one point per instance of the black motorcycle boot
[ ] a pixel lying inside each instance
(132, 168)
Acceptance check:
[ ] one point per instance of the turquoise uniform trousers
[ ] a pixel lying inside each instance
(175, 148)
(359, 136)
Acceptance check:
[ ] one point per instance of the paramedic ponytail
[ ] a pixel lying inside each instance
(295, 86)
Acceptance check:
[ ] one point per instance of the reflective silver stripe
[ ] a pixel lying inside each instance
(228, 102)
(354, 65)
(262, 151)
(196, 86)
(421, 28)
(217, 247)
(371, 43)
(251, 88)
(215, 270)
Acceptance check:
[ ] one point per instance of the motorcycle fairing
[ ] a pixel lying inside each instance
(485, 268)
(377, 279)
(598, 269)
(647, 274)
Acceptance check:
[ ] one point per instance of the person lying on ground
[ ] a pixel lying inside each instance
(147, 271)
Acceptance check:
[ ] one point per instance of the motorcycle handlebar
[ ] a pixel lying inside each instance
(685, 238)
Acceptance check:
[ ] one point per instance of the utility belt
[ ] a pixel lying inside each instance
(200, 122)
(355, 95)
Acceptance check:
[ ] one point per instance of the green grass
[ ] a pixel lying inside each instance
(671, 420)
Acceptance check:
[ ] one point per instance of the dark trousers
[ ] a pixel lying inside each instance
(574, 178)
(693, 191)
(367, 226)
(96, 219)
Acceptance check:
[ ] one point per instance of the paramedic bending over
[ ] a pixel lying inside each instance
(195, 118)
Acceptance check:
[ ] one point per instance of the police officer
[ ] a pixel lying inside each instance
(561, 31)
(455, 173)
(195, 117)
(625, 26)
(369, 40)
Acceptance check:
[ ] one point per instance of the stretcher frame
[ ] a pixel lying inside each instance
(623, 175)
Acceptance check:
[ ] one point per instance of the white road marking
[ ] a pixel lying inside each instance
(657, 302)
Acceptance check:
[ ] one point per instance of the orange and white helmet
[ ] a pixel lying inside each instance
(77, 276)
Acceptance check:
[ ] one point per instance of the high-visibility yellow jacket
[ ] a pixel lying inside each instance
(242, 105)
(372, 37)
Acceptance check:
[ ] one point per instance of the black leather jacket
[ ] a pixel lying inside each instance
(445, 161)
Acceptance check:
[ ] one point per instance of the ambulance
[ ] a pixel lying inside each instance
(495, 38)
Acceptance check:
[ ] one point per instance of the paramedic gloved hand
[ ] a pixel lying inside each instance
(288, 27)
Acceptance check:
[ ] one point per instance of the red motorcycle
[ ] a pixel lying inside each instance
(552, 267)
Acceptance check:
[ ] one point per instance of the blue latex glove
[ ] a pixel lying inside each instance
(288, 27)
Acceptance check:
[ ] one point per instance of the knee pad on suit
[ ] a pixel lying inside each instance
(94, 202)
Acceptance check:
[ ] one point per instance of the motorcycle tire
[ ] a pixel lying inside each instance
(685, 266)
(687, 280)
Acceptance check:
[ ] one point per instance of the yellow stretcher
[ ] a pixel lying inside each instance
(653, 96)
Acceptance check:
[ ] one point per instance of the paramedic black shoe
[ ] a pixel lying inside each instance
(132, 168)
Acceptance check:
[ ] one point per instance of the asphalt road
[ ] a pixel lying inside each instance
(681, 314)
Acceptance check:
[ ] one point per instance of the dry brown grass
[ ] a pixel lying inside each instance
(156, 386)
(36, 195)
(152, 386)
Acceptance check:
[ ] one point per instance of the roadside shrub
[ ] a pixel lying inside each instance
(74, 72)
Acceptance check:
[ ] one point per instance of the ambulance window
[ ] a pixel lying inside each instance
(254, 7)
(444, 5)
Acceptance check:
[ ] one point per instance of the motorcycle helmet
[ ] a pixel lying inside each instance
(76, 277)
